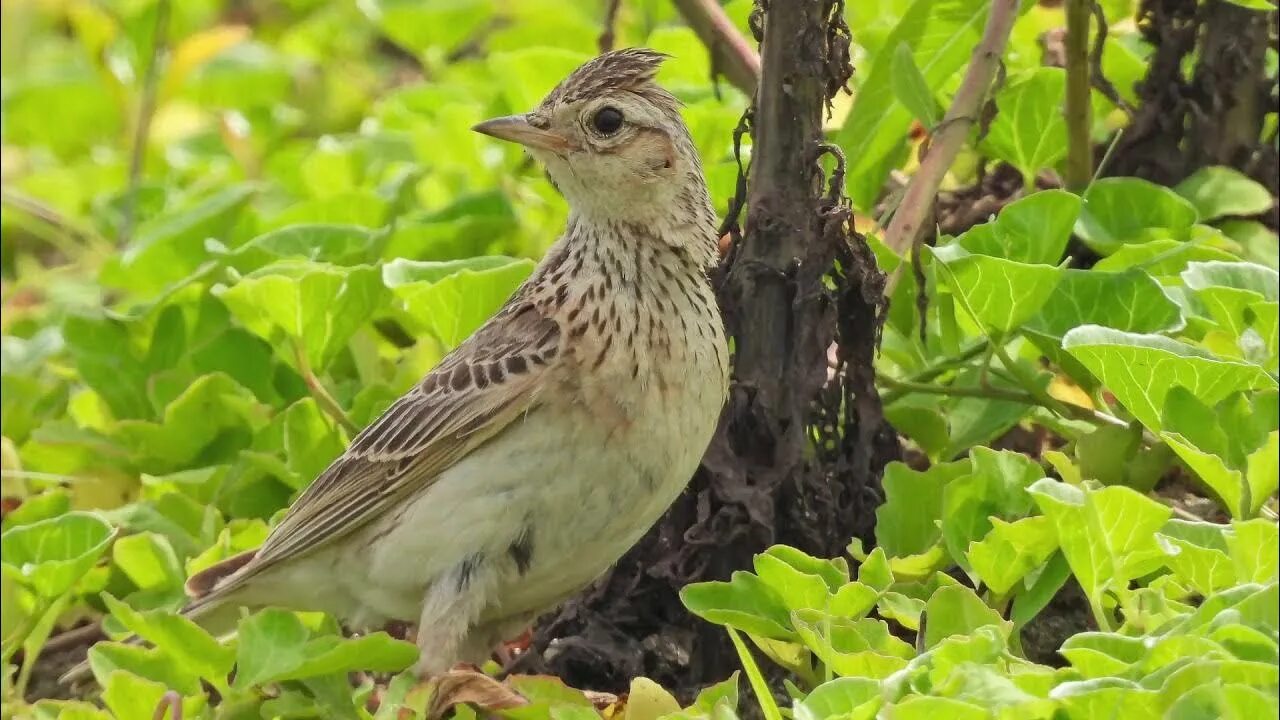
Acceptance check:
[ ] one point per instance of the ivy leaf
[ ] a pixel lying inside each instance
(185, 643)
(1000, 294)
(1030, 132)
(1033, 229)
(51, 555)
(1107, 535)
(452, 299)
(745, 602)
(956, 610)
(1131, 301)
(1011, 550)
(314, 306)
(1118, 211)
(1216, 191)
(907, 522)
(1141, 369)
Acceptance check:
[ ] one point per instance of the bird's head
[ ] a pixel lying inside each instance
(613, 141)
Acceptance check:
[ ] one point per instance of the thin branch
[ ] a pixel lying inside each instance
(899, 388)
(731, 54)
(318, 391)
(951, 133)
(146, 110)
(606, 39)
(50, 216)
(1079, 111)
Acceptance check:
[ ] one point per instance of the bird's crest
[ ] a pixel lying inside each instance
(630, 69)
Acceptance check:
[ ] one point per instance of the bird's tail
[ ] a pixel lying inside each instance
(212, 608)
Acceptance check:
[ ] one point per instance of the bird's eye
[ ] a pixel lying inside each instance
(607, 120)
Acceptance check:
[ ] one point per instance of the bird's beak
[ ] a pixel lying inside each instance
(516, 128)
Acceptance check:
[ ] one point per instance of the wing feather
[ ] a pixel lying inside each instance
(470, 397)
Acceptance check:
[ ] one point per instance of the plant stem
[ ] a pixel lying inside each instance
(951, 133)
(933, 370)
(1079, 111)
(768, 706)
(146, 110)
(318, 391)
(605, 41)
(731, 54)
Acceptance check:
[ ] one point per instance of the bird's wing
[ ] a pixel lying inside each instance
(472, 395)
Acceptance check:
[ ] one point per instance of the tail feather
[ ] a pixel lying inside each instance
(210, 608)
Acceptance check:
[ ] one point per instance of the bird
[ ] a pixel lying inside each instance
(542, 448)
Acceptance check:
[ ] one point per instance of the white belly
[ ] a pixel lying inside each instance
(582, 487)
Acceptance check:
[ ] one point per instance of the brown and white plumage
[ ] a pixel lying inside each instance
(546, 444)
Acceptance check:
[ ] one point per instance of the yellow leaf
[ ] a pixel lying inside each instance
(198, 49)
(1060, 388)
(648, 701)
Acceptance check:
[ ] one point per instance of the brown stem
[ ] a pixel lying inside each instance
(1079, 111)
(953, 130)
(731, 54)
(606, 39)
(318, 391)
(146, 110)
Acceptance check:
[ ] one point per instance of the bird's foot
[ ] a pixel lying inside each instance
(509, 652)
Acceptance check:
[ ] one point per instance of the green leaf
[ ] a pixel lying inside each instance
(906, 611)
(185, 643)
(1256, 242)
(1107, 698)
(1102, 654)
(1255, 551)
(995, 489)
(128, 696)
(1030, 132)
(956, 610)
(336, 244)
(1217, 191)
(1131, 301)
(423, 28)
(106, 658)
(316, 306)
(1224, 702)
(50, 556)
(911, 89)
(1118, 211)
(931, 707)
(1000, 294)
(942, 36)
(798, 589)
(745, 603)
(104, 356)
(852, 648)
(1204, 569)
(841, 698)
(1038, 594)
(452, 299)
(1141, 369)
(1033, 229)
(1011, 550)
(169, 247)
(149, 561)
(907, 522)
(207, 407)
(1160, 258)
(1107, 535)
(1227, 483)
(276, 646)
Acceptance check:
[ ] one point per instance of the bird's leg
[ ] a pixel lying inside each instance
(449, 613)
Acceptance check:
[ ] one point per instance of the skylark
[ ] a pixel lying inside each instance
(544, 447)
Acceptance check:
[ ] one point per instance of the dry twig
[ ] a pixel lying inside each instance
(731, 54)
(946, 142)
